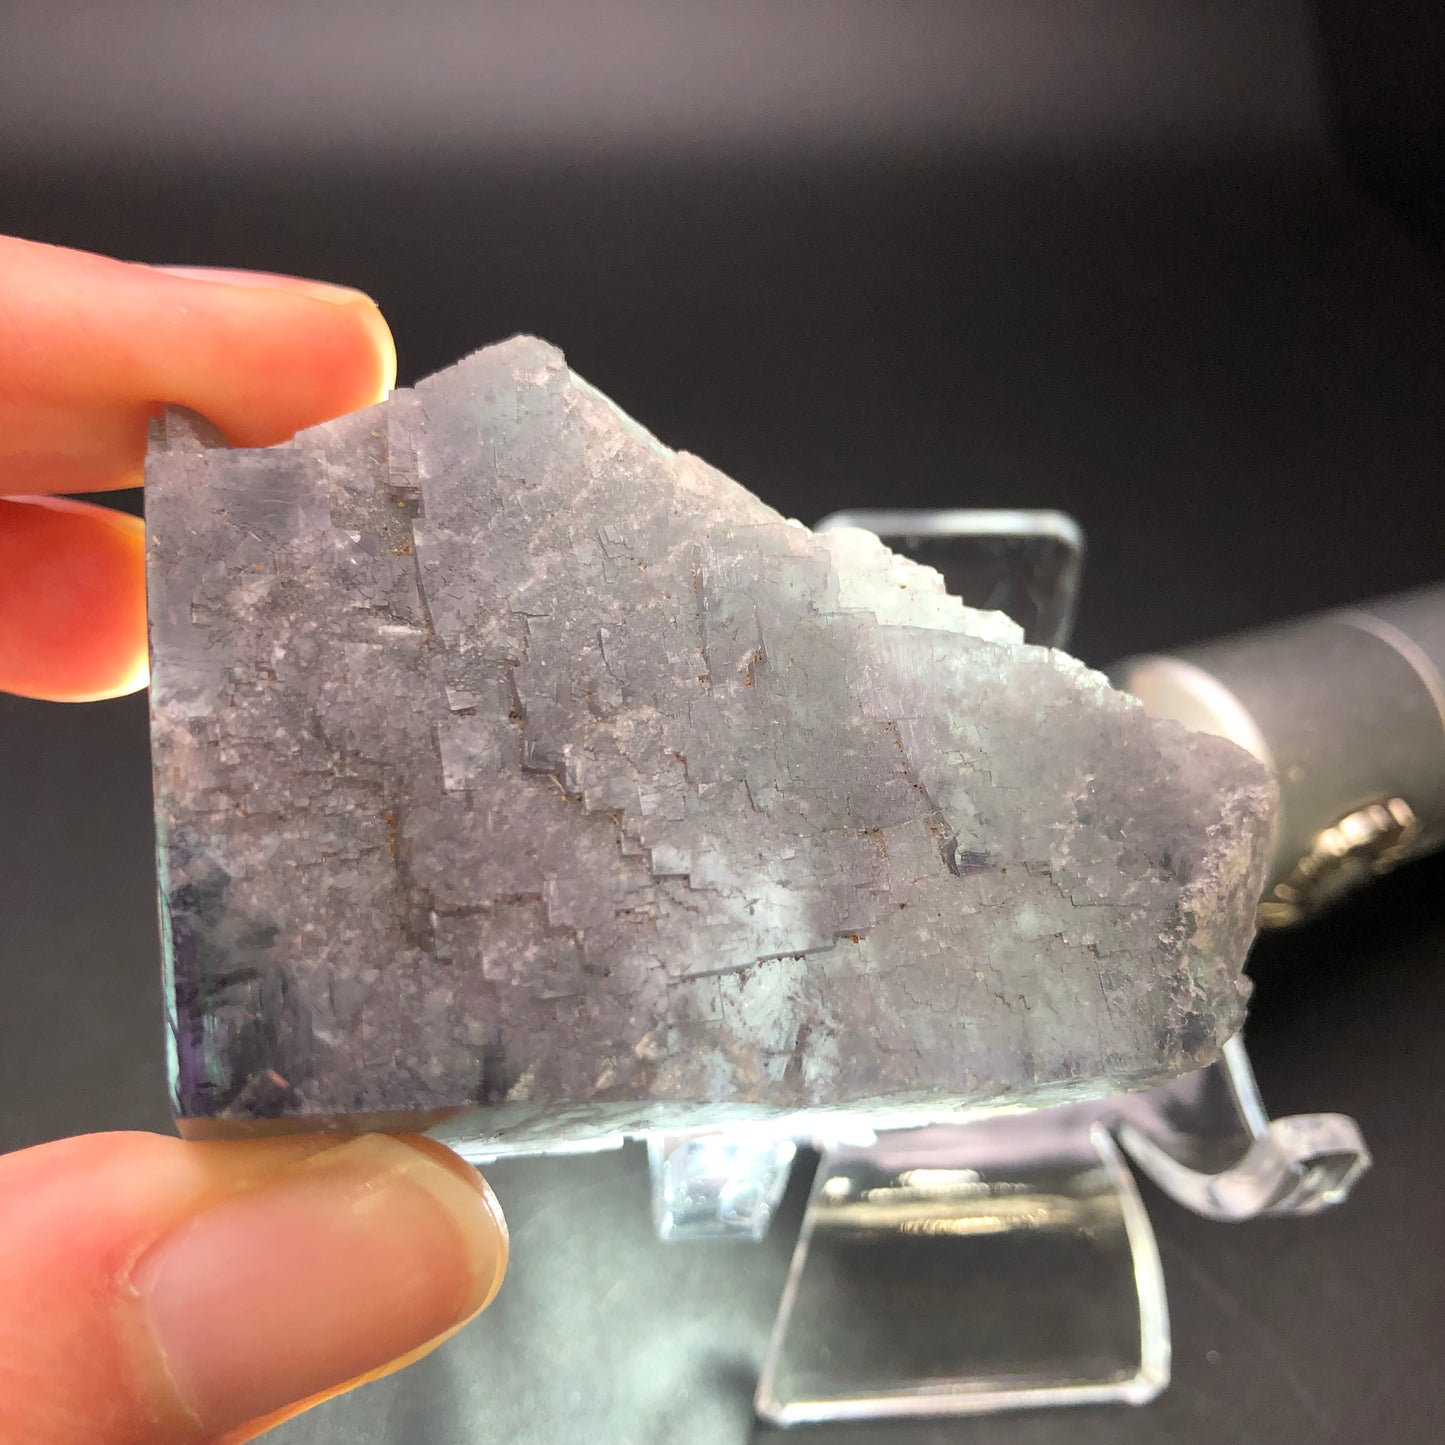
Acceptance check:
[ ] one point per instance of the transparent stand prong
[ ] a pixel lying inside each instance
(1008, 1263)
(1207, 1142)
(1039, 1261)
(717, 1183)
(1024, 563)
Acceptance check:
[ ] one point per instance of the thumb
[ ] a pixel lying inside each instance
(154, 1292)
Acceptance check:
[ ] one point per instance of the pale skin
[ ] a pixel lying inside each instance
(155, 1292)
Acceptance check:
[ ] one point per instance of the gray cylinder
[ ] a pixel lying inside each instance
(1348, 709)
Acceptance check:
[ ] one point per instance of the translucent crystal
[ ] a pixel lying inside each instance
(516, 771)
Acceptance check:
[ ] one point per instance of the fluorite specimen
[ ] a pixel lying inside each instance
(508, 761)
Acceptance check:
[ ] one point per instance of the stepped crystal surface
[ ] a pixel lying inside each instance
(508, 761)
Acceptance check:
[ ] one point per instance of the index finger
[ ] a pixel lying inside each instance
(89, 347)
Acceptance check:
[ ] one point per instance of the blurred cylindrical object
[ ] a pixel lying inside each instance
(1348, 709)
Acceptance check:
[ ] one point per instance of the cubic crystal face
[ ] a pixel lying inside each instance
(508, 761)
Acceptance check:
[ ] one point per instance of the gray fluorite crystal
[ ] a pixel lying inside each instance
(508, 761)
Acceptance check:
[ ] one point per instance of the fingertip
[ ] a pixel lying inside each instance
(89, 347)
(72, 600)
(338, 1267)
(180, 1292)
(488, 1233)
(476, 1212)
(263, 355)
(385, 350)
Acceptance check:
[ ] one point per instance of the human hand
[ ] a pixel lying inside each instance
(154, 1292)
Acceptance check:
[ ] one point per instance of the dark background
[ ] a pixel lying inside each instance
(1172, 267)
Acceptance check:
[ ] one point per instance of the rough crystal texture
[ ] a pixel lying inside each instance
(506, 759)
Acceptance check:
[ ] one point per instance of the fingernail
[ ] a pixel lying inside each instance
(271, 281)
(337, 1266)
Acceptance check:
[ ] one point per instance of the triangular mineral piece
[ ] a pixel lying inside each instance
(505, 758)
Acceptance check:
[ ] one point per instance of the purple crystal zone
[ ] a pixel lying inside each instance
(508, 760)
